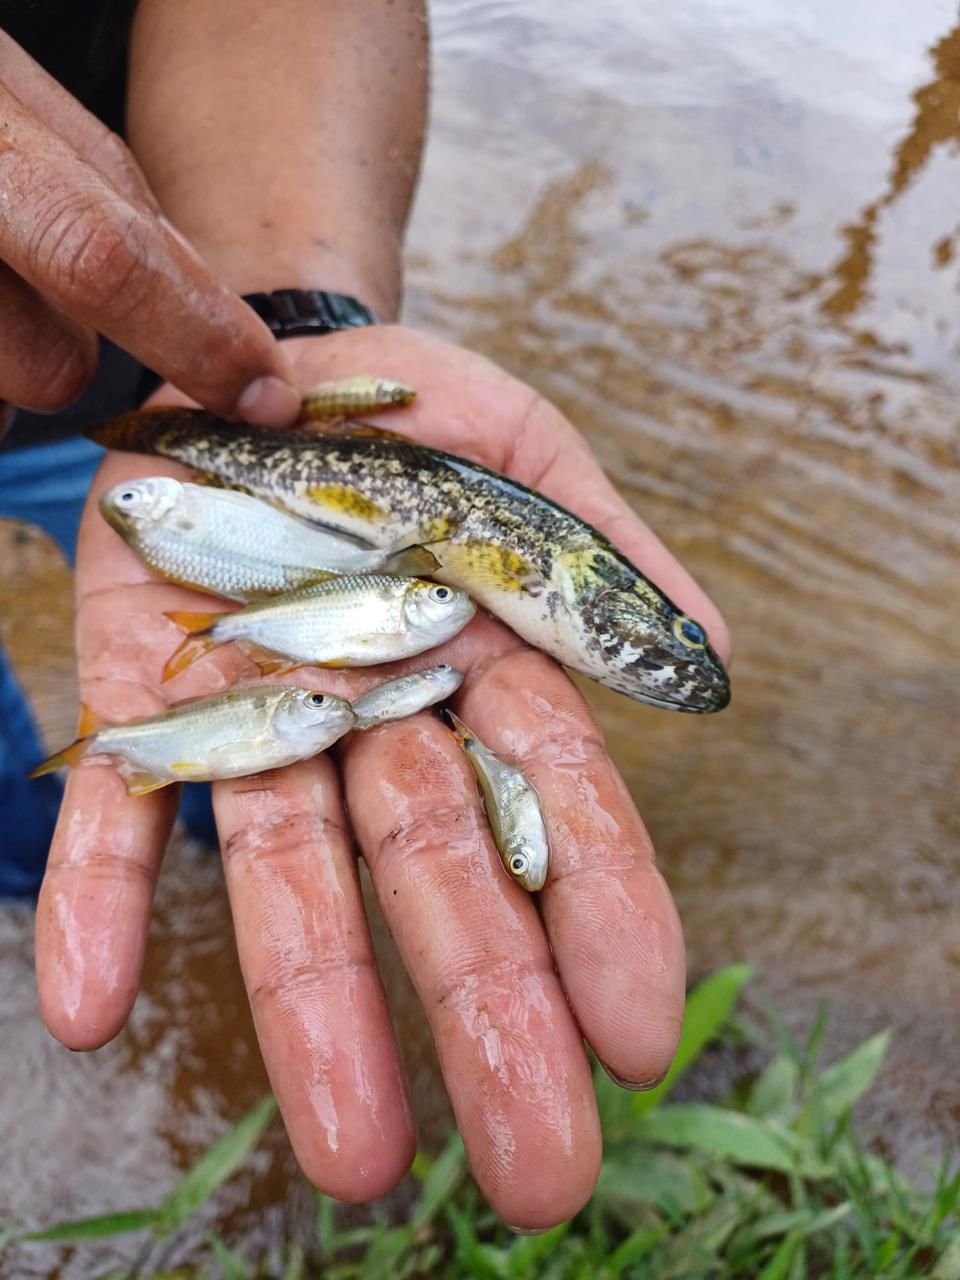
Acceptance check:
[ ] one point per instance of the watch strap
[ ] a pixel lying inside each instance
(288, 313)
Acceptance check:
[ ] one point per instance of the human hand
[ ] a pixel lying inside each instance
(512, 985)
(84, 250)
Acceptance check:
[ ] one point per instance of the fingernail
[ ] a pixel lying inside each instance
(269, 402)
(527, 1231)
(635, 1086)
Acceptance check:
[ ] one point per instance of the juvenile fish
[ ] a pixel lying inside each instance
(234, 545)
(512, 808)
(228, 736)
(346, 397)
(405, 696)
(343, 622)
(549, 575)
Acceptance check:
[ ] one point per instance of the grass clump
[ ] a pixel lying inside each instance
(772, 1184)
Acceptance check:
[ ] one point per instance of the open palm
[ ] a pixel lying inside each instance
(512, 985)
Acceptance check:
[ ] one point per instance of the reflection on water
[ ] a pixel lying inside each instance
(721, 238)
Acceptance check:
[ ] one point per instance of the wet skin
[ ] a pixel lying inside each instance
(512, 985)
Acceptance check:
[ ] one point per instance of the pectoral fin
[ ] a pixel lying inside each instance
(413, 562)
(476, 564)
(140, 782)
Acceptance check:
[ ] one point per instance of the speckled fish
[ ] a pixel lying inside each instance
(237, 546)
(405, 696)
(512, 808)
(227, 736)
(553, 578)
(346, 397)
(343, 622)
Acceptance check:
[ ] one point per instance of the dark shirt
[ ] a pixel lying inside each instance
(83, 44)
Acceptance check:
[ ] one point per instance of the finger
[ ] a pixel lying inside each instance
(97, 892)
(309, 968)
(40, 93)
(112, 265)
(471, 940)
(612, 924)
(46, 359)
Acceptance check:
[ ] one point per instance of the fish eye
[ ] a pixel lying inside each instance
(316, 699)
(440, 593)
(518, 863)
(128, 496)
(690, 632)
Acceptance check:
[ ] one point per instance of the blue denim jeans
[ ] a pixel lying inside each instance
(46, 485)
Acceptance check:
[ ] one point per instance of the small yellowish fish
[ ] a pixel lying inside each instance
(347, 397)
(233, 545)
(512, 807)
(343, 622)
(405, 696)
(229, 736)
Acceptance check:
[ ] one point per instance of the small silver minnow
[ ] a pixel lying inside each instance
(512, 807)
(343, 622)
(228, 736)
(405, 696)
(233, 545)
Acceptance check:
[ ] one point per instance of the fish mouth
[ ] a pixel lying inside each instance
(701, 690)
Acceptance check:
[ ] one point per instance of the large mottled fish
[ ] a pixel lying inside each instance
(234, 545)
(512, 808)
(343, 622)
(405, 696)
(227, 736)
(554, 579)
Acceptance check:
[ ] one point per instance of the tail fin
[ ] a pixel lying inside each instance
(411, 562)
(71, 755)
(197, 642)
(460, 731)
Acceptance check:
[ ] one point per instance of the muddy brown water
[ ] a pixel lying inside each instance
(723, 238)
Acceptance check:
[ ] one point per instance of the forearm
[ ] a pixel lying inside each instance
(284, 139)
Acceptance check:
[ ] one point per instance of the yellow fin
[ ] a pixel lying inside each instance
(193, 623)
(413, 562)
(88, 722)
(141, 783)
(61, 759)
(271, 664)
(186, 766)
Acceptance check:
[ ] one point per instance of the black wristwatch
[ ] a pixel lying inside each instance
(288, 313)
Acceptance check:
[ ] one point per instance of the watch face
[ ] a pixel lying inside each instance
(297, 311)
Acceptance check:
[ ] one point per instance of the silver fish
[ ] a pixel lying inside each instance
(512, 807)
(343, 622)
(233, 545)
(229, 736)
(405, 696)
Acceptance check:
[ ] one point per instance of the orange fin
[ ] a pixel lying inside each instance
(271, 664)
(460, 731)
(88, 722)
(71, 755)
(197, 642)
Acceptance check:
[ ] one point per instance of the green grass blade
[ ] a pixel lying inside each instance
(634, 1249)
(727, 1135)
(779, 1265)
(296, 1264)
(232, 1265)
(215, 1166)
(708, 1008)
(775, 1090)
(326, 1226)
(843, 1083)
(441, 1182)
(101, 1227)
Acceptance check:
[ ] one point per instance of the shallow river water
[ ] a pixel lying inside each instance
(723, 238)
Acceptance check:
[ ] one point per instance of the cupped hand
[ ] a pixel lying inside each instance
(84, 250)
(512, 985)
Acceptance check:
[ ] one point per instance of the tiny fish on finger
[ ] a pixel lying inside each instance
(405, 696)
(237, 546)
(512, 807)
(204, 739)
